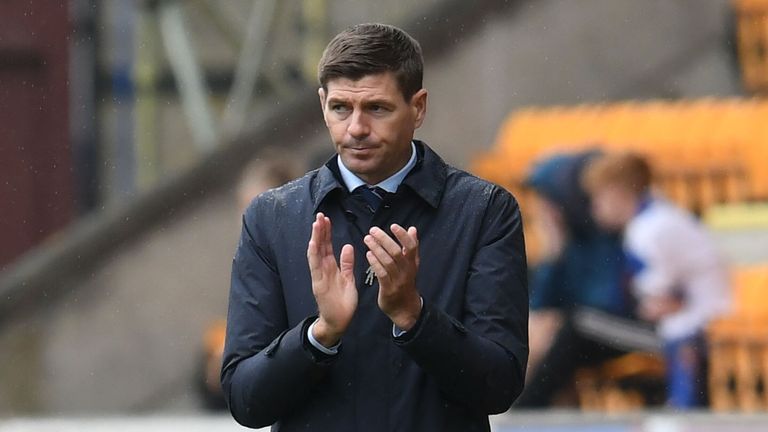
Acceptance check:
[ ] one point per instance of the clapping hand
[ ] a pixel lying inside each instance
(333, 285)
(396, 266)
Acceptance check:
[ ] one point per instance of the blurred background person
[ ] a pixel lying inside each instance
(677, 276)
(258, 176)
(263, 174)
(580, 277)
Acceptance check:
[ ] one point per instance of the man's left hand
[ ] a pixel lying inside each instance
(395, 266)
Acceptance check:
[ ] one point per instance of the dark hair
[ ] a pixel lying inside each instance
(369, 49)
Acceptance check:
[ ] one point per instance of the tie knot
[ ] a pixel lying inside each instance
(373, 195)
(381, 193)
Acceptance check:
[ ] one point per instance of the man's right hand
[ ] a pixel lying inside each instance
(332, 284)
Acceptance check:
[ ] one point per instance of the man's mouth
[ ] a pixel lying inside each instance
(360, 149)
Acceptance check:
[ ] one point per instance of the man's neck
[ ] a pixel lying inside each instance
(387, 182)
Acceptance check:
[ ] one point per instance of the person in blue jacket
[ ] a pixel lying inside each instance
(387, 290)
(579, 285)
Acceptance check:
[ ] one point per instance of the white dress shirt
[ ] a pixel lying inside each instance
(677, 254)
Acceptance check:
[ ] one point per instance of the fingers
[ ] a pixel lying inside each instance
(347, 261)
(313, 249)
(316, 231)
(327, 244)
(313, 257)
(320, 246)
(378, 241)
(378, 268)
(385, 257)
(408, 239)
(414, 234)
(321, 235)
(384, 241)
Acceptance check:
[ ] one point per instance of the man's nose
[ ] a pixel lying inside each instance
(358, 127)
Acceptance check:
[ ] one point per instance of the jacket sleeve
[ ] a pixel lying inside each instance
(480, 361)
(267, 367)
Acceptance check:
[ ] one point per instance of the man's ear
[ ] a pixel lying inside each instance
(419, 107)
(321, 93)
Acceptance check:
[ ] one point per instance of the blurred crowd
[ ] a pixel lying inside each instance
(624, 271)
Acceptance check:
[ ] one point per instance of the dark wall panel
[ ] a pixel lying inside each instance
(36, 186)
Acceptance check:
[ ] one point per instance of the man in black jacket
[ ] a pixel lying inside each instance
(421, 322)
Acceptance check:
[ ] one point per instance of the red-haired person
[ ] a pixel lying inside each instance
(677, 276)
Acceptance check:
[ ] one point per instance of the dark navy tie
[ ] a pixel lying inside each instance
(372, 195)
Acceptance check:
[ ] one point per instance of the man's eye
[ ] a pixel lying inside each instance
(377, 108)
(339, 108)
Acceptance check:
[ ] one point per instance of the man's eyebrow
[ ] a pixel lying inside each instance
(336, 99)
(379, 101)
(374, 101)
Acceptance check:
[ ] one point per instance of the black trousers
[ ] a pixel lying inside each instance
(586, 338)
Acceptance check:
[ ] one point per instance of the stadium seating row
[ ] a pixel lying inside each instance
(706, 152)
(715, 146)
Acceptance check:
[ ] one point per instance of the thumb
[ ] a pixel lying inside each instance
(347, 262)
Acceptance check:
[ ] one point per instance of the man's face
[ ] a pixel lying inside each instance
(371, 124)
(613, 207)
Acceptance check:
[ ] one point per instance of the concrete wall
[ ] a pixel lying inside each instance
(570, 52)
(127, 338)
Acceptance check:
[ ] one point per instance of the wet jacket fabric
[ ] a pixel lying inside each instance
(464, 359)
(589, 272)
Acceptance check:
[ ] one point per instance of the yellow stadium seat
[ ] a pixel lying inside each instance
(752, 43)
(738, 346)
(604, 387)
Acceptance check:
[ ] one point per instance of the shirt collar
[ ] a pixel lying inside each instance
(427, 177)
(389, 184)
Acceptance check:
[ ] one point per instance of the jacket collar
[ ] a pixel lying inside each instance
(426, 179)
